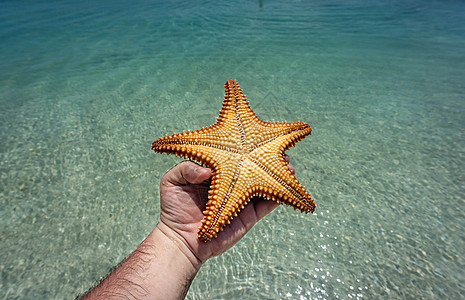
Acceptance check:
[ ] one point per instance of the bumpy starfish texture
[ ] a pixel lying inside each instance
(246, 156)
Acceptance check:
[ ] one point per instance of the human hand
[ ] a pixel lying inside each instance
(166, 262)
(183, 195)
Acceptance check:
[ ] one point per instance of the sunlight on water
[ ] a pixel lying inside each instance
(86, 88)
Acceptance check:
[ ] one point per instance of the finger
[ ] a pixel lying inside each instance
(287, 160)
(291, 168)
(186, 173)
(252, 213)
(264, 207)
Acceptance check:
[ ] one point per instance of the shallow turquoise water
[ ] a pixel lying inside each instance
(86, 88)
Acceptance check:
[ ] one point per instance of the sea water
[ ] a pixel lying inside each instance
(85, 87)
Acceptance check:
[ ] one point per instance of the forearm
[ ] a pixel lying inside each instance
(162, 267)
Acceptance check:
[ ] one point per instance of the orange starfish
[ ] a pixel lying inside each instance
(246, 156)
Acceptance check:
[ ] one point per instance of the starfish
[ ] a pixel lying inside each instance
(246, 156)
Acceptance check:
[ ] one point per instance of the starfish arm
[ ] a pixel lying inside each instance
(275, 182)
(216, 136)
(225, 198)
(236, 101)
(253, 131)
(284, 142)
(211, 156)
(228, 197)
(281, 184)
(264, 132)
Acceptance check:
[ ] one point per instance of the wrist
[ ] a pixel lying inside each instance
(173, 266)
(160, 268)
(176, 244)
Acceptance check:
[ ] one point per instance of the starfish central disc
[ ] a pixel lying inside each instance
(246, 156)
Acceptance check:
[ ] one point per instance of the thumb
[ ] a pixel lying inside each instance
(185, 173)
